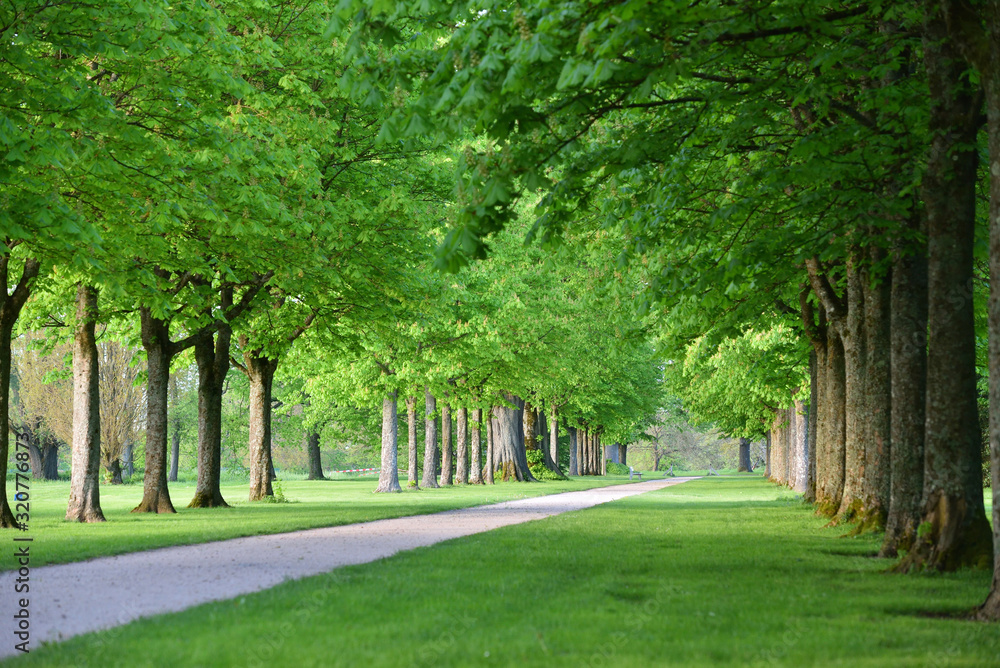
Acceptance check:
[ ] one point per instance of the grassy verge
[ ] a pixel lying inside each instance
(721, 571)
(314, 503)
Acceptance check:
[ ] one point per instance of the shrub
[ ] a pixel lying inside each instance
(614, 468)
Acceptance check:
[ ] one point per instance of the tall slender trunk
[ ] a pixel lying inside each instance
(128, 461)
(491, 466)
(446, 451)
(411, 435)
(554, 440)
(990, 70)
(10, 309)
(908, 369)
(315, 456)
(475, 454)
(462, 447)
(830, 476)
(530, 420)
(509, 441)
(388, 477)
(800, 446)
(260, 370)
(84, 489)
(574, 457)
(159, 352)
(878, 403)
(958, 533)
(810, 491)
(212, 356)
(175, 431)
(430, 441)
(744, 461)
(855, 356)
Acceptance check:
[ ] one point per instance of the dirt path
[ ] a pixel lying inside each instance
(70, 599)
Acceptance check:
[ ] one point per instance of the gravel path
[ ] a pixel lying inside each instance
(70, 599)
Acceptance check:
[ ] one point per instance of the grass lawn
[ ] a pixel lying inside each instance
(724, 571)
(315, 503)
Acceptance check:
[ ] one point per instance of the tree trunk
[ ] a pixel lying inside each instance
(84, 490)
(574, 457)
(908, 369)
(388, 477)
(878, 411)
(462, 448)
(509, 441)
(991, 76)
(315, 456)
(411, 435)
(446, 451)
(554, 443)
(530, 419)
(958, 533)
(623, 449)
(744, 464)
(260, 370)
(10, 309)
(830, 469)
(800, 459)
(855, 356)
(430, 441)
(159, 352)
(115, 470)
(128, 461)
(212, 356)
(490, 467)
(810, 492)
(43, 453)
(475, 455)
(175, 431)
(767, 455)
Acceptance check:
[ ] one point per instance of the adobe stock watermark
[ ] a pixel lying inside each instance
(22, 550)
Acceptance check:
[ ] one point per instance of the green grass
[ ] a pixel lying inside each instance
(721, 571)
(314, 503)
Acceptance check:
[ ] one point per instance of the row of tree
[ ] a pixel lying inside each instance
(813, 167)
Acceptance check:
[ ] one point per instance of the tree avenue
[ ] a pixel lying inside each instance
(540, 230)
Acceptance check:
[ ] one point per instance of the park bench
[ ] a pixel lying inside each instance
(633, 472)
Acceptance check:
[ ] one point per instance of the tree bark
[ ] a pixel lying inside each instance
(490, 467)
(989, 66)
(260, 370)
(84, 490)
(430, 441)
(128, 460)
(509, 441)
(830, 471)
(211, 352)
(908, 369)
(574, 458)
(175, 432)
(810, 491)
(462, 448)
(554, 441)
(411, 434)
(855, 356)
(530, 419)
(10, 309)
(315, 456)
(878, 404)
(800, 475)
(446, 452)
(388, 477)
(744, 463)
(958, 533)
(159, 352)
(475, 455)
